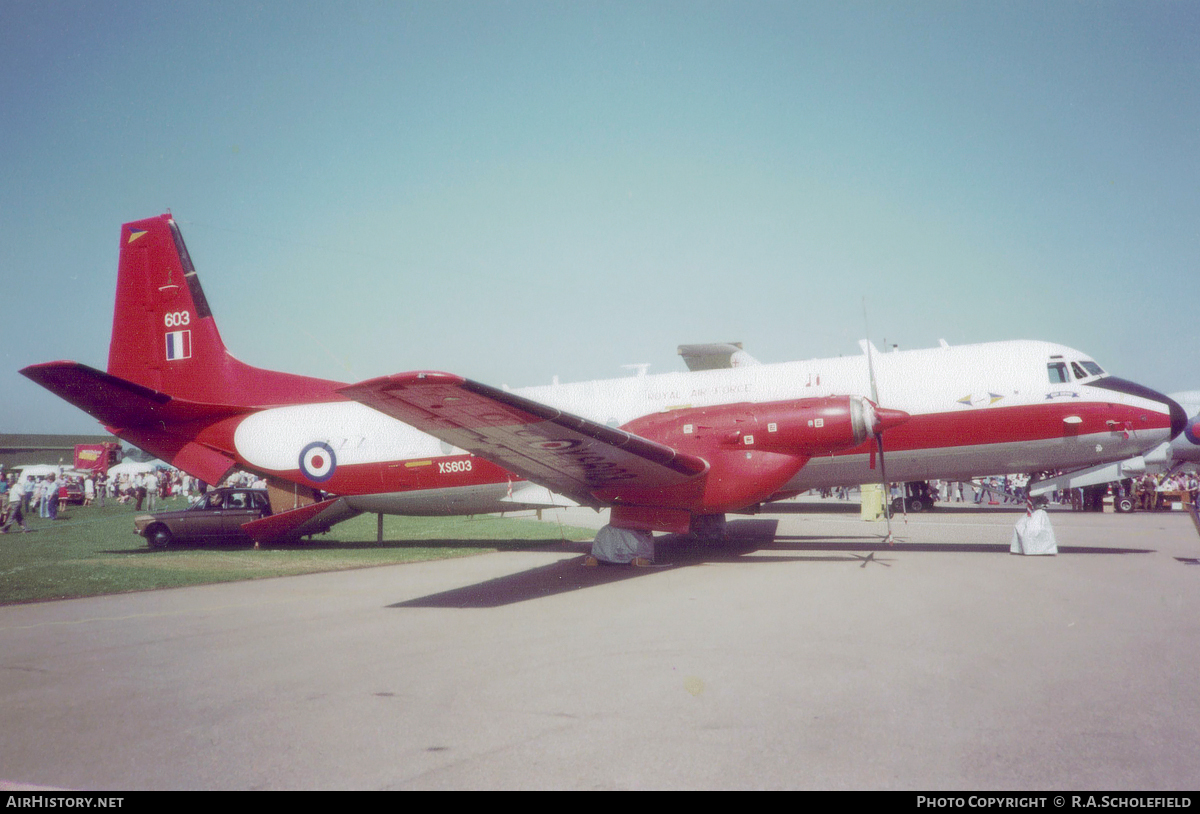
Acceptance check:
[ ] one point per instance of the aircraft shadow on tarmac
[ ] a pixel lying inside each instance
(670, 552)
(674, 551)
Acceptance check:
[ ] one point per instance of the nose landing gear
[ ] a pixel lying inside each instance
(918, 497)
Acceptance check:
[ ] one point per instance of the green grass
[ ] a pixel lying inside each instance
(92, 550)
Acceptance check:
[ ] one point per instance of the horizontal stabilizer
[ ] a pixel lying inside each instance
(314, 518)
(116, 402)
(567, 454)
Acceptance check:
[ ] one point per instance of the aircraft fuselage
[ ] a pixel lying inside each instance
(975, 410)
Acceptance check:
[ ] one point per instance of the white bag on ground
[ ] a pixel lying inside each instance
(1034, 535)
(622, 545)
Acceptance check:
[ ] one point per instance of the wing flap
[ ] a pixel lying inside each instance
(563, 452)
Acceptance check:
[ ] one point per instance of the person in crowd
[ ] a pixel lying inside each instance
(150, 486)
(1148, 492)
(50, 496)
(48, 492)
(27, 496)
(4, 487)
(16, 503)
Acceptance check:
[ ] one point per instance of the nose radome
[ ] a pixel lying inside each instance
(1174, 411)
(1179, 417)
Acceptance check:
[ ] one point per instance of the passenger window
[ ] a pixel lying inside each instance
(237, 500)
(1058, 372)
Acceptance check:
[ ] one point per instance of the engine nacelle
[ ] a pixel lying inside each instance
(801, 427)
(752, 449)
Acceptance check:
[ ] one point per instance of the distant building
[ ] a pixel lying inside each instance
(16, 450)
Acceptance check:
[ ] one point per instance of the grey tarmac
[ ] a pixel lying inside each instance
(805, 655)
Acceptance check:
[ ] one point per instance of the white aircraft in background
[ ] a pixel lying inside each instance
(672, 452)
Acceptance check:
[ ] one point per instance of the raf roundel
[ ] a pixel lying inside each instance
(317, 461)
(555, 446)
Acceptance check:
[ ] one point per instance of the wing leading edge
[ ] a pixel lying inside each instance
(567, 454)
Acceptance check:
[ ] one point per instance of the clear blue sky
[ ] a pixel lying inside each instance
(517, 190)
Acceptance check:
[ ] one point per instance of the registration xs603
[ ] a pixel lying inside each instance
(450, 467)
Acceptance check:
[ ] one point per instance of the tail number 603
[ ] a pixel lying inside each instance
(178, 318)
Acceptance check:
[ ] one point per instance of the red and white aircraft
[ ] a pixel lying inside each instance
(671, 452)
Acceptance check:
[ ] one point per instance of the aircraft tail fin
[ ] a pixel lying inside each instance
(164, 336)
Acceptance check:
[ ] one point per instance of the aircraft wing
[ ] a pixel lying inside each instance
(565, 453)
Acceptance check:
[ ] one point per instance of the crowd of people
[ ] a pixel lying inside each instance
(1152, 491)
(50, 493)
(1148, 492)
(1006, 489)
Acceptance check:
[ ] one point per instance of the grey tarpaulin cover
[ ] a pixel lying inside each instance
(622, 545)
(1034, 535)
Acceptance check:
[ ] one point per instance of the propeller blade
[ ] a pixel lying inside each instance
(882, 419)
(887, 497)
(870, 362)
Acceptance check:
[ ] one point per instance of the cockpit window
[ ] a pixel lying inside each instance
(1093, 368)
(1058, 372)
(1078, 371)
